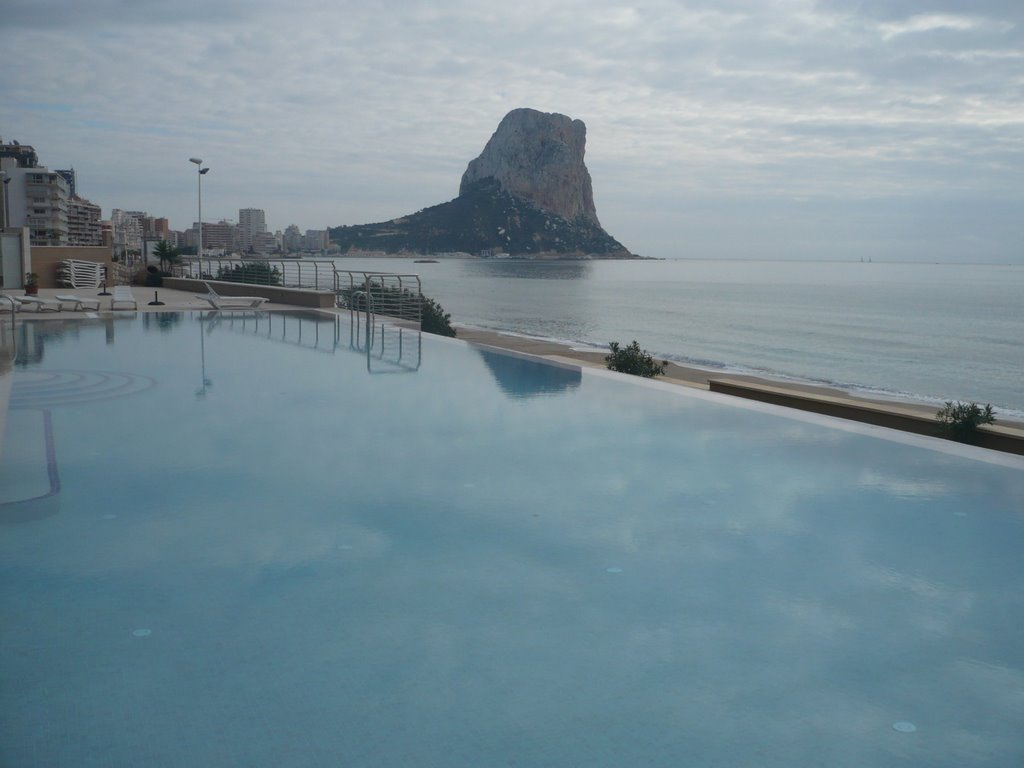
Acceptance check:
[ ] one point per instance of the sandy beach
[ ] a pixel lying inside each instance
(680, 374)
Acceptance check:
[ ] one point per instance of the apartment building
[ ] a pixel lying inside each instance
(128, 230)
(46, 207)
(219, 236)
(161, 229)
(84, 227)
(292, 238)
(252, 225)
(316, 239)
(37, 199)
(34, 197)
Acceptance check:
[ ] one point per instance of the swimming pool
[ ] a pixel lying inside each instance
(236, 541)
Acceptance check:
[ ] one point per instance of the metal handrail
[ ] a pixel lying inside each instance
(354, 318)
(292, 273)
(14, 324)
(372, 341)
(14, 309)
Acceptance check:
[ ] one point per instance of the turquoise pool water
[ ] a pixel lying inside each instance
(236, 541)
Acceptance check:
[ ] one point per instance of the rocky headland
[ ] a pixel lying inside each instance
(528, 194)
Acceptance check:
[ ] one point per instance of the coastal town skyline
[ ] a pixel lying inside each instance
(47, 203)
(774, 130)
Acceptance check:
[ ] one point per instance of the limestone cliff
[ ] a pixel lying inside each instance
(538, 157)
(527, 194)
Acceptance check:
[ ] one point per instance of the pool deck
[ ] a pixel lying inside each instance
(904, 415)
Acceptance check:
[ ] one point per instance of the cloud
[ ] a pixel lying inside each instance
(320, 112)
(930, 23)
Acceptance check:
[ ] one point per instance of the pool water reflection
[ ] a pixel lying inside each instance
(271, 556)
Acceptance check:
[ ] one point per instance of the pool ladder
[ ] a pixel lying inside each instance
(14, 307)
(391, 354)
(14, 326)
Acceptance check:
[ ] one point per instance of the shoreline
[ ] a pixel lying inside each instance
(906, 415)
(690, 375)
(901, 414)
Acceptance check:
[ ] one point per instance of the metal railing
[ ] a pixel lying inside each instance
(315, 274)
(399, 297)
(395, 295)
(385, 308)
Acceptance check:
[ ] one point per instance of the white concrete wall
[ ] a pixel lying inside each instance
(15, 257)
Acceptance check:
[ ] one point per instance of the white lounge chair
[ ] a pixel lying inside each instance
(227, 302)
(41, 305)
(123, 295)
(78, 302)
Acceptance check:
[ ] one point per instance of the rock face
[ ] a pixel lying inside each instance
(528, 194)
(538, 157)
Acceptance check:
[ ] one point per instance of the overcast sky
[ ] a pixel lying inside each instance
(715, 128)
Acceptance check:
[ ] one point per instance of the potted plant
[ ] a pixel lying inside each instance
(31, 283)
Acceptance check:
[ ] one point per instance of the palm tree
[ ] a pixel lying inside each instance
(167, 254)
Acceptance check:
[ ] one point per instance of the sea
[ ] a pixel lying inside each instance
(903, 331)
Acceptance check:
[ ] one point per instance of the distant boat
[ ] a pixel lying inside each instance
(425, 261)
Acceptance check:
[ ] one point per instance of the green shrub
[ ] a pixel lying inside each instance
(435, 320)
(255, 272)
(960, 421)
(633, 360)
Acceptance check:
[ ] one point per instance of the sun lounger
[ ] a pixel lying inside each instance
(227, 302)
(123, 295)
(41, 305)
(78, 302)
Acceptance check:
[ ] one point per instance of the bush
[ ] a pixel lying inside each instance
(634, 360)
(435, 319)
(960, 421)
(255, 272)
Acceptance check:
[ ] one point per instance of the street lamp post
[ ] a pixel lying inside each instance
(202, 171)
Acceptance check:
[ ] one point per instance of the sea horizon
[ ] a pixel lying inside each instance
(459, 256)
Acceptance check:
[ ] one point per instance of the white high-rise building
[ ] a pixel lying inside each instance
(252, 222)
(34, 197)
(128, 230)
